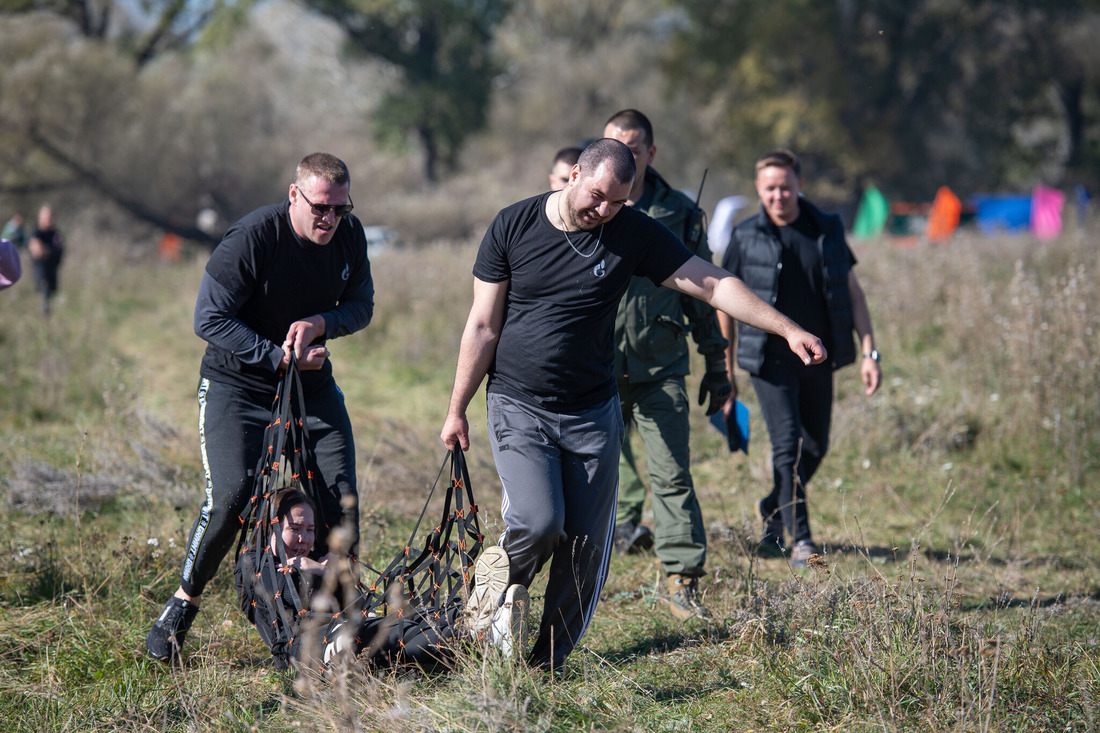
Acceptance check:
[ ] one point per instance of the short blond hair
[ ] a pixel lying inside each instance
(328, 168)
(780, 158)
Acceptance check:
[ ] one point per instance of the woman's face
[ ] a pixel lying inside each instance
(298, 530)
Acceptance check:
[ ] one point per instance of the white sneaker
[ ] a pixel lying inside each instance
(336, 641)
(509, 629)
(490, 581)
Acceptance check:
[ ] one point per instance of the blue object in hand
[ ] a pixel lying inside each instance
(735, 427)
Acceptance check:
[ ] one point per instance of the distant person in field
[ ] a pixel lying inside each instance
(795, 256)
(11, 269)
(564, 161)
(651, 363)
(422, 637)
(547, 282)
(288, 276)
(14, 231)
(47, 249)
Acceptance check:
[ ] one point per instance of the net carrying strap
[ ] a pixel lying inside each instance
(431, 572)
(435, 573)
(287, 461)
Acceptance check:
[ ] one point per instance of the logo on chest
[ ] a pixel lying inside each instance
(346, 272)
(600, 269)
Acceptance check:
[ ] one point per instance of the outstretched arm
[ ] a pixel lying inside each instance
(475, 354)
(710, 283)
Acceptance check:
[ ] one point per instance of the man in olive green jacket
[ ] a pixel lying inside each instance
(651, 362)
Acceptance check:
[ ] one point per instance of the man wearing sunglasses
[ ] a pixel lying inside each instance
(288, 276)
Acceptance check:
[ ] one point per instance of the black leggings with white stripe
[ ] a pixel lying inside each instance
(231, 431)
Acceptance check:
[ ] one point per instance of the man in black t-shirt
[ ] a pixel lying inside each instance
(547, 283)
(795, 256)
(286, 277)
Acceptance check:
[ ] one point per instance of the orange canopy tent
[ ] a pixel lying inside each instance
(943, 218)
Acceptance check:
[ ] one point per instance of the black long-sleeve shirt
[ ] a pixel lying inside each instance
(261, 278)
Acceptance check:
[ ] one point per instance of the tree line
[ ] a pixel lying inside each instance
(168, 107)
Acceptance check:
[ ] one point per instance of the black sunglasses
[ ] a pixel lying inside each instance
(321, 209)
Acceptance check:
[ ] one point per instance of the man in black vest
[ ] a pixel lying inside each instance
(795, 257)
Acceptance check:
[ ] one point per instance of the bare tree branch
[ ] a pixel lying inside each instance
(137, 209)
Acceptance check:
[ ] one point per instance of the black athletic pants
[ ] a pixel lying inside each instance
(797, 405)
(231, 431)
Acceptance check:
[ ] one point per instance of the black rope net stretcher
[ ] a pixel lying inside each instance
(310, 622)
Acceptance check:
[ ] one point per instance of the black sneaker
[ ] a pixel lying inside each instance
(771, 539)
(165, 639)
(632, 538)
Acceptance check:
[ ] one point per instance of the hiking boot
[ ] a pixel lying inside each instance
(509, 630)
(804, 553)
(490, 581)
(632, 538)
(683, 597)
(771, 539)
(165, 639)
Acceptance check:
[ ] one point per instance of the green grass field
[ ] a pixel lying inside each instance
(959, 507)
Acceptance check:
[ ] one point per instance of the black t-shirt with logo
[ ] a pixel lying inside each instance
(556, 347)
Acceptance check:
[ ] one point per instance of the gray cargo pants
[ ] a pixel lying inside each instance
(660, 412)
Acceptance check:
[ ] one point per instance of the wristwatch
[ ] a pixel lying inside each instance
(873, 355)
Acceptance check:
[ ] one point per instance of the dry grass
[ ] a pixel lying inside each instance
(958, 507)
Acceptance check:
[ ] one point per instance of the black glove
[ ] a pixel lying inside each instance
(716, 384)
